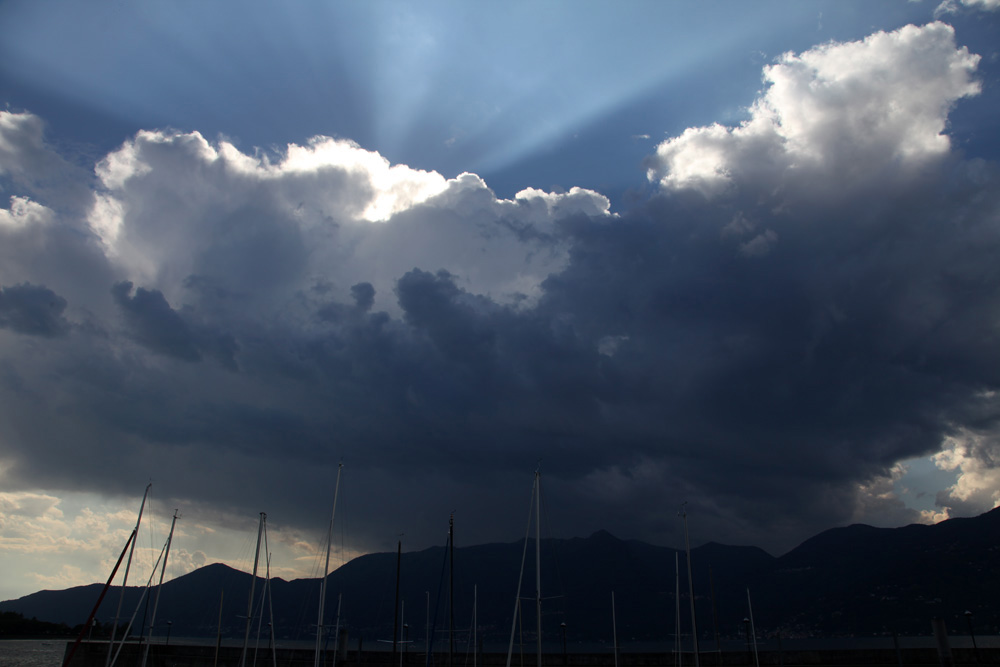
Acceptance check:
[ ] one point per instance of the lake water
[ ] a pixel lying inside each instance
(49, 653)
(32, 652)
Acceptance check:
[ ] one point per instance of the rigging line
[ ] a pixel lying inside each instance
(339, 560)
(343, 526)
(553, 551)
(470, 643)
(145, 591)
(520, 630)
(159, 586)
(308, 603)
(382, 603)
(520, 577)
(151, 524)
(128, 628)
(336, 630)
(244, 557)
(345, 515)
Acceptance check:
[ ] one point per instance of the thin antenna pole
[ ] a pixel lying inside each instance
(427, 630)
(128, 565)
(326, 571)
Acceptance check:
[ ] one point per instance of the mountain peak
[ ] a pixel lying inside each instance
(603, 535)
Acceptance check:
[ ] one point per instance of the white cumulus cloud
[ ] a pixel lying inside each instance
(174, 206)
(848, 113)
(952, 6)
(973, 456)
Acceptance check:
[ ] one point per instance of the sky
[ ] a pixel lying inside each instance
(735, 255)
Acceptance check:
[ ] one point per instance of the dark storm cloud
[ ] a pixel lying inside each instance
(512, 382)
(856, 343)
(364, 296)
(771, 385)
(33, 310)
(153, 323)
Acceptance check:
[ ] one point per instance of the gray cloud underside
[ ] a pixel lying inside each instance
(760, 354)
(33, 310)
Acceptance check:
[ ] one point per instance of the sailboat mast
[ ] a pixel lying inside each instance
(677, 609)
(270, 610)
(145, 590)
(253, 581)
(753, 630)
(715, 611)
(336, 627)
(93, 613)
(516, 616)
(687, 546)
(218, 636)
(326, 572)
(614, 627)
(538, 563)
(451, 590)
(159, 587)
(395, 612)
(128, 565)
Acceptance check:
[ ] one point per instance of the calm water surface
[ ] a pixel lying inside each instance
(49, 653)
(32, 652)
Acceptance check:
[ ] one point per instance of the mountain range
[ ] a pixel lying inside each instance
(852, 581)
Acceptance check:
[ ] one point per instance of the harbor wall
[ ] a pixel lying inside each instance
(94, 654)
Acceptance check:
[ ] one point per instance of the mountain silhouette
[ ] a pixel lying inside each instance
(850, 581)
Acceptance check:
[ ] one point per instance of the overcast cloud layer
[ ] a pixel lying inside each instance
(809, 300)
